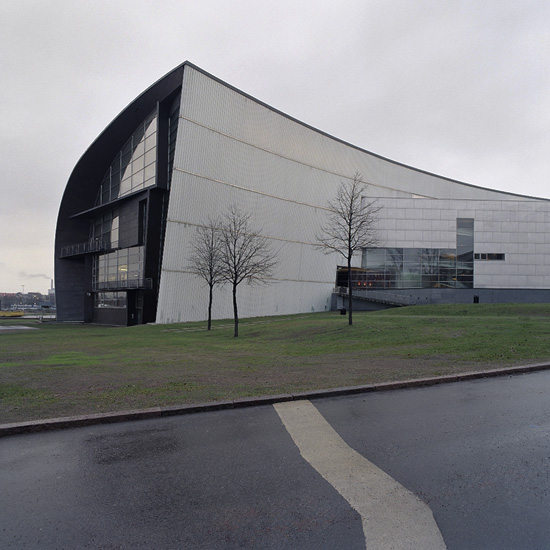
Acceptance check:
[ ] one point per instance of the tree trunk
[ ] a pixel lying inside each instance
(350, 294)
(235, 314)
(210, 307)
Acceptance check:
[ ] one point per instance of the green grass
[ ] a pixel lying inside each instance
(61, 370)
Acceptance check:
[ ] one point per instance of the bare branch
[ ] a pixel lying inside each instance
(245, 254)
(205, 259)
(351, 224)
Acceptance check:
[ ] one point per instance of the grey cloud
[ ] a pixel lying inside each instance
(456, 88)
(25, 275)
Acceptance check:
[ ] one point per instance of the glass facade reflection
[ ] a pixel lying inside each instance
(421, 267)
(105, 229)
(134, 167)
(172, 135)
(408, 268)
(465, 252)
(490, 256)
(119, 269)
(110, 299)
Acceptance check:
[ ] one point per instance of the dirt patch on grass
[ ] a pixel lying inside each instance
(69, 370)
(64, 391)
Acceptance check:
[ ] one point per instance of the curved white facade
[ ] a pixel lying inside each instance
(232, 149)
(191, 146)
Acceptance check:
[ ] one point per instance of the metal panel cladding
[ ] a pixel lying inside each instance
(234, 150)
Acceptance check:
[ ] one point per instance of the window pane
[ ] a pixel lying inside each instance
(151, 126)
(115, 176)
(139, 150)
(125, 186)
(126, 170)
(137, 179)
(138, 135)
(150, 157)
(412, 255)
(130, 158)
(465, 255)
(394, 258)
(150, 142)
(150, 172)
(376, 257)
(115, 192)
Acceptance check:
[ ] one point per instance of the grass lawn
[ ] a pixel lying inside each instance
(60, 370)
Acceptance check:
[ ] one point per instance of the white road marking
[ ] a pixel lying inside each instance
(393, 517)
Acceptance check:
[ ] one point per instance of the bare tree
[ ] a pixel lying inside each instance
(205, 259)
(245, 255)
(351, 226)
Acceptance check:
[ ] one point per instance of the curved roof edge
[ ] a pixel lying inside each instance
(82, 182)
(174, 78)
(162, 86)
(386, 159)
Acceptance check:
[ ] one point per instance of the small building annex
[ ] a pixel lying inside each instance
(191, 145)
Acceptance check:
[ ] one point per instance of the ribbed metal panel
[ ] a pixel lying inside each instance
(191, 299)
(233, 114)
(232, 162)
(232, 150)
(519, 229)
(213, 170)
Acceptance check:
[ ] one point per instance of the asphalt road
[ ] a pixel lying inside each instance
(474, 454)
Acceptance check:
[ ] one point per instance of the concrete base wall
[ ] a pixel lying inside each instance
(424, 296)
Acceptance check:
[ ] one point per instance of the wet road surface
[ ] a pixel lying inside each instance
(476, 453)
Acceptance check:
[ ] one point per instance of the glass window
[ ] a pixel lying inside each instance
(430, 261)
(430, 281)
(465, 232)
(150, 157)
(126, 172)
(447, 257)
(412, 255)
(465, 254)
(110, 299)
(150, 126)
(115, 191)
(465, 240)
(137, 180)
(412, 276)
(114, 269)
(139, 150)
(490, 256)
(150, 143)
(417, 268)
(104, 229)
(137, 164)
(172, 133)
(150, 172)
(394, 257)
(115, 178)
(375, 257)
(138, 134)
(125, 186)
(131, 159)
(114, 232)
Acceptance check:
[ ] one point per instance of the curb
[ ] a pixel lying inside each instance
(33, 426)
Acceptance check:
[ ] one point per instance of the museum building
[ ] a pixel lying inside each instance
(191, 146)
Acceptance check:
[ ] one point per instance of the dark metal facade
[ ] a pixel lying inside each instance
(140, 217)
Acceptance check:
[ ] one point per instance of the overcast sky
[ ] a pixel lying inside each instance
(460, 88)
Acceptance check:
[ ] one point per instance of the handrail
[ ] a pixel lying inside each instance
(87, 247)
(124, 284)
(380, 296)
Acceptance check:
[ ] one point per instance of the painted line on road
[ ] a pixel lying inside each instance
(392, 516)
